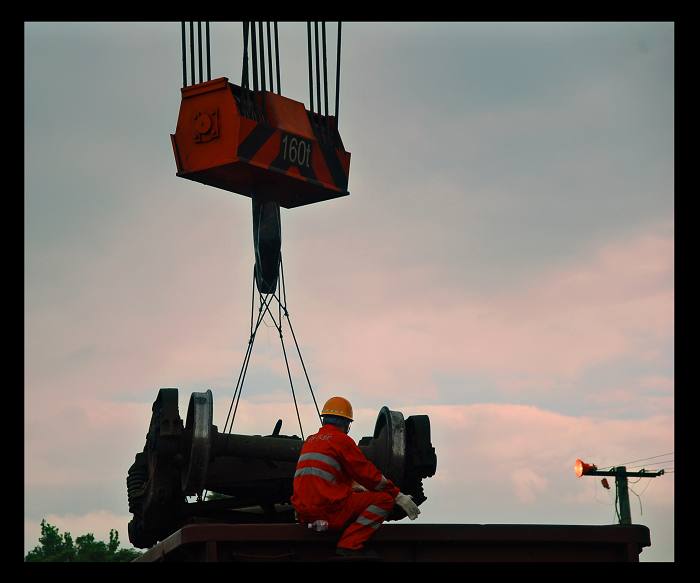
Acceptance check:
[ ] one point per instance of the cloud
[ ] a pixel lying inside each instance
(615, 303)
(527, 484)
(513, 464)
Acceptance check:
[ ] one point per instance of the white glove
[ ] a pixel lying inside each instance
(406, 502)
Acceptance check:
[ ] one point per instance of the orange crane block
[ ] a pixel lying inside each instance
(259, 144)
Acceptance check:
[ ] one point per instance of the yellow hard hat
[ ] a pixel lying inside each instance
(338, 406)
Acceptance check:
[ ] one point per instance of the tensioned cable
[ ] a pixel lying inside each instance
(237, 390)
(208, 55)
(289, 321)
(193, 68)
(318, 71)
(289, 374)
(246, 97)
(244, 72)
(246, 360)
(311, 75)
(199, 48)
(244, 371)
(262, 56)
(277, 60)
(255, 56)
(286, 361)
(659, 463)
(184, 56)
(265, 309)
(325, 71)
(337, 79)
(644, 458)
(263, 302)
(269, 56)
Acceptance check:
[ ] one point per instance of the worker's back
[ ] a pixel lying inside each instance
(321, 480)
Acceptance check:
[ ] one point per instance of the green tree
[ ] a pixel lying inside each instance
(54, 547)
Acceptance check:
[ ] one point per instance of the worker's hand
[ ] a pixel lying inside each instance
(358, 487)
(406, 502)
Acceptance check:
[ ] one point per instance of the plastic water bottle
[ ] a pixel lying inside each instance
(319, 525)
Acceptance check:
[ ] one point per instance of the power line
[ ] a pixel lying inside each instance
(645, 458)
(656, 464)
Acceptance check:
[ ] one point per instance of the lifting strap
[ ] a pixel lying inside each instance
(264, 309)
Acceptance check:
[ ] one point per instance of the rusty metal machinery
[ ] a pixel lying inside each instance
(254, 473)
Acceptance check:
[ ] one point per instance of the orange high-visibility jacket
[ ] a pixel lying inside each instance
(328, 463)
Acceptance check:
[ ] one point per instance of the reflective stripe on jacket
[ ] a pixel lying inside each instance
(329, 462)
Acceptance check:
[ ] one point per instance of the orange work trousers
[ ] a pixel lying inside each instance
(360, 517)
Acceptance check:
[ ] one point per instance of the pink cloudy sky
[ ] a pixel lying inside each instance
(504, 263)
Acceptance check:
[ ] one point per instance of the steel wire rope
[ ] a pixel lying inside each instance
(254, 50)
(291, 384)
(286, 361)
(283, 306)
(291, 328)
(244, 71)
(246, 98)
(262, 56)
(318, 71)
(246, 359)
(199, 49)
(248, 349)
(337, 78)
(264, 302)
(245, 370)
(208, 54)
(277, 60)
(269, 57)
(311, 74)
(325, 76)
(184, 55)
(193, 67)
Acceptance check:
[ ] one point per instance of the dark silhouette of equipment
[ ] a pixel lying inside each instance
(255, 473)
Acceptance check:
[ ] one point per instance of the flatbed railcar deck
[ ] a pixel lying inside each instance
(407, 543)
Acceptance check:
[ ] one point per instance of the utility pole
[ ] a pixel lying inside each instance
(621, 474)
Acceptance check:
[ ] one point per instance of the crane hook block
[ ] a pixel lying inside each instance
(259, 144)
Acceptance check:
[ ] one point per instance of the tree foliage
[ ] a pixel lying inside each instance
(54, 547)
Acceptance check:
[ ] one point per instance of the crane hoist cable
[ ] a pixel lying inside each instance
(311, 166)
(199, 43)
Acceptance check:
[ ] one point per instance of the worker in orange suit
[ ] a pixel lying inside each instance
(335, 482)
